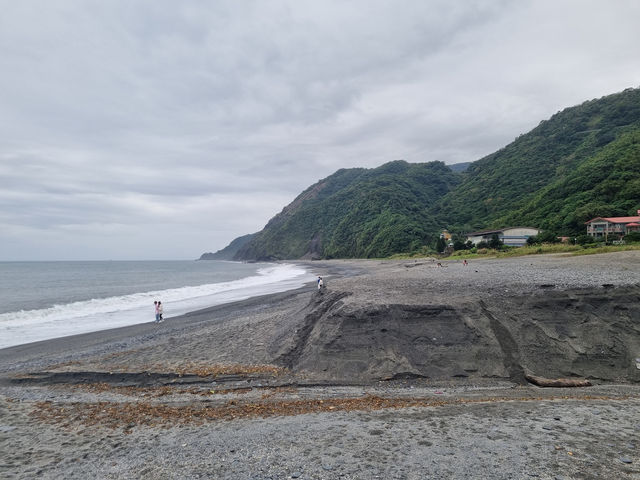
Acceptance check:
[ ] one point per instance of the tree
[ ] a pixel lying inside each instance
(441, 244)
(543, 237)
(459, 245)
(495, 242)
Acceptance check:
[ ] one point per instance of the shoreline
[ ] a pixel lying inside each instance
(134, 333)
(398, 369)
(126, 316)
(129, 336)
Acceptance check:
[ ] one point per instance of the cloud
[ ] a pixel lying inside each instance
(203, 119)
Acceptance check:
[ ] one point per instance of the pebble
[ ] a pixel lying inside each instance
(626, 460)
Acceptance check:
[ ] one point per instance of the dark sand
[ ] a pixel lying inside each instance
(398, 369)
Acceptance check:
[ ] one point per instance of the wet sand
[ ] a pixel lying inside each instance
(397, 369)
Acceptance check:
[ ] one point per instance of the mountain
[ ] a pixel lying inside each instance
(581, 163)
(357, 213)
(228, 252)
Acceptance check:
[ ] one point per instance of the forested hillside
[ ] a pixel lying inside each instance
(358, 213)
(607, 184)
(581, 163)
(552, 176)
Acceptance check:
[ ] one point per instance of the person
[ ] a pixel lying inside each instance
(464, 262)
(157, 309)
(320, 283)
(160, 319)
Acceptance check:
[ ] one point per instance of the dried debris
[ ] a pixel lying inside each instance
(144, 413)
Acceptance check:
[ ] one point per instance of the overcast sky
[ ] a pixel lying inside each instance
(162, 129)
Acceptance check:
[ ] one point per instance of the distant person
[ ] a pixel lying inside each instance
(160, 319)
(465, 263)
(156, 306)
(320, 283)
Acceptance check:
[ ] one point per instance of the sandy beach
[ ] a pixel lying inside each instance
(397, 369)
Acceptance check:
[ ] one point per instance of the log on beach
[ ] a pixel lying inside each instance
(557, 382)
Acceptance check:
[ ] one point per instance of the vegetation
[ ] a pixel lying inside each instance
(358, 213)
(633, 237)
(546, 248)
(581, 163)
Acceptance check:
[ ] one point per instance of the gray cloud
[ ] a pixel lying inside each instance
(160, 129)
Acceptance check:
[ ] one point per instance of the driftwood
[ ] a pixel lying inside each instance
(557, 382)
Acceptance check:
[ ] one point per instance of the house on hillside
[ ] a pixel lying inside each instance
(511, 236)
(602, 227)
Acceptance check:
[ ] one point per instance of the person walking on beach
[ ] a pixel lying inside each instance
(156, 308)
(320, 283)
(160, 319)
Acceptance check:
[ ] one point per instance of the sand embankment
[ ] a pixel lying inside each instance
(398, 369)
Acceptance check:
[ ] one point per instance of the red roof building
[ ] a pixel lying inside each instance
(600, 227)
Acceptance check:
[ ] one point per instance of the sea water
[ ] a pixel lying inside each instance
(43, 300)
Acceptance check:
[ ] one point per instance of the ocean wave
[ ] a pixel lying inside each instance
(26, 326)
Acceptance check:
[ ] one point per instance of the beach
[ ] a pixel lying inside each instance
(396, 369)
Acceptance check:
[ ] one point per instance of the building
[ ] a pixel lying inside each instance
(511, 236)
(602, 227)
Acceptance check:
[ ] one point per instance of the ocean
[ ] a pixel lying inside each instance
(43, 300)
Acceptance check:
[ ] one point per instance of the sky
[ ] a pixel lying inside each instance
(141, 130)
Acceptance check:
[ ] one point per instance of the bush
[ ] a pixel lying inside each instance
(632, 237)
(585, 239)
(459, 245)
(543, 237)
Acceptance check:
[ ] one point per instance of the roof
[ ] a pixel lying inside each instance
(489, 232)
(633, 224)
(616, 219)
(484, 232)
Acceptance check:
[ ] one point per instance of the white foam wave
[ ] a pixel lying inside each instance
(100, 314)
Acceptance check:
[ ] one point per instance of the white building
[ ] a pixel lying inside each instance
(511, 236)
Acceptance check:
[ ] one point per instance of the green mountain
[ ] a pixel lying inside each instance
(357, 213)
(581, 163)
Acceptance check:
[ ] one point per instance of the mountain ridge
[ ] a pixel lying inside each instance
(582, 162)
